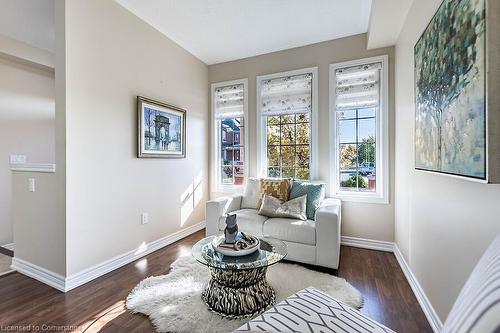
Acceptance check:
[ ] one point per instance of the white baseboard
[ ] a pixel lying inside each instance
(39, 273)
(367, 243)
(66, 284)
(96, 271)
(422, 299)
(9, 246)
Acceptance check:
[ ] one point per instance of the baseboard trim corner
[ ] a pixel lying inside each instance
(9, 246)
(370, 244)
(89, 274)
(425, 304)
(41, 274)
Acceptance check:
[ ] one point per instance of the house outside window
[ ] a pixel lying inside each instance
(359, 130)
(229, 110)
(287, 108)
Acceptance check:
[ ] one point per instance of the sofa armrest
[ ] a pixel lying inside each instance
(328, 218)
(219, 207)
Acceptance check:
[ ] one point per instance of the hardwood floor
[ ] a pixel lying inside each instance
(98, 306)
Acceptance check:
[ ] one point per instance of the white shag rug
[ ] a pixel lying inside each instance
(173, 301)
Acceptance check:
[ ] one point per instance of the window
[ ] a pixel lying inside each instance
(287, 110)
(360, 131)
(229, 138)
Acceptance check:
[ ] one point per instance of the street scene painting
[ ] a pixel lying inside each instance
(161, 129)
(450, 91)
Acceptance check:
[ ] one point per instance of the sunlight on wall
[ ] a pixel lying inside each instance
(191, 198)
(141, 249)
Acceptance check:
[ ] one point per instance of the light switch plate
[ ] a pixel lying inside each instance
(31, 184)
(17, 159)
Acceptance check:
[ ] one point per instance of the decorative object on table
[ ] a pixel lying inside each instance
(161, 129)
(315, 195)
(450, 91)
(274, 207)
(244, 245)
(173, 302)
(231, 230)
(278, 188)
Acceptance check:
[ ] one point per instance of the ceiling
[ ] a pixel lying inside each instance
(217, 31)
(30, 21)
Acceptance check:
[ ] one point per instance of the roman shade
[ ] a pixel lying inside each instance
(286, 95)
(357, 87)
(229, 101)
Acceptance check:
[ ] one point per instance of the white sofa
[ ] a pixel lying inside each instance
(312, 242)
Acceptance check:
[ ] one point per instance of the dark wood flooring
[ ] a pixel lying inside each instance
(98, 306)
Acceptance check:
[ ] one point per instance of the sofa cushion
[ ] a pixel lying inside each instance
(311, 310)
(291, 230)
(248, 220)
(315, 195)
(251, 194)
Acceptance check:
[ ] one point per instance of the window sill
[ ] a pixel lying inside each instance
(229, 189)
(374, 198)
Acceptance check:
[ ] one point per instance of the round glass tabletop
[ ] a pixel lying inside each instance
(270, 252)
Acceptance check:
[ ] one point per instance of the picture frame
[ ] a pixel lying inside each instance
(161, 129)
(451, 92)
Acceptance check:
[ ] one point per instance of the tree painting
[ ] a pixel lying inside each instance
(450, 91)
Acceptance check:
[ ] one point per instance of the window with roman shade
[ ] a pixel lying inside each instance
(229, 112)
(286, 107)
(360, 128)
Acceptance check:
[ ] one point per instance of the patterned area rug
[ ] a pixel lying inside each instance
(173, 301)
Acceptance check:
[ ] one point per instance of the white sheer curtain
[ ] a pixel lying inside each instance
(229, 101)
(357, 87)
(286, 95)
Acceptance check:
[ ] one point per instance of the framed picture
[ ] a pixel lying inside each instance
(161, 129)
(450, 91)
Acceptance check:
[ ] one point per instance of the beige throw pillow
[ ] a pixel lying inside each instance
(278, 188)
(274, 207)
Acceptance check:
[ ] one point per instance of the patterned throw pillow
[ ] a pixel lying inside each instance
(294, 209)
(278, 188)
(315, 195)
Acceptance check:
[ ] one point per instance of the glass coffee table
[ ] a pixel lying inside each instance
(238, 287)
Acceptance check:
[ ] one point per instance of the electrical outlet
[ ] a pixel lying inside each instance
(144, 218)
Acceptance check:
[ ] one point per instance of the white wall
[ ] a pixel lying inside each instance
(374, 221)
(443, 224)
(111, 57)
(26, 127)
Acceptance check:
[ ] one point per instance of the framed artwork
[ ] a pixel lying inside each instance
(161, 129)
(450, 91)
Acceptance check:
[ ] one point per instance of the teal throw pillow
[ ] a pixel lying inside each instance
(315, 195)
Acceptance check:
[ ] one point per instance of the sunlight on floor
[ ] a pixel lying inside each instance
(142, 265)
(104, 317)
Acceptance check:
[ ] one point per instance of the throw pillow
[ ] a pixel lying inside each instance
(251, 194)
(273, 207)
(315, 195)
(278, 188)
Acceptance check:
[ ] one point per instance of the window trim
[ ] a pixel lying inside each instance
(382, 134)
(261, 122)
(215, 139)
